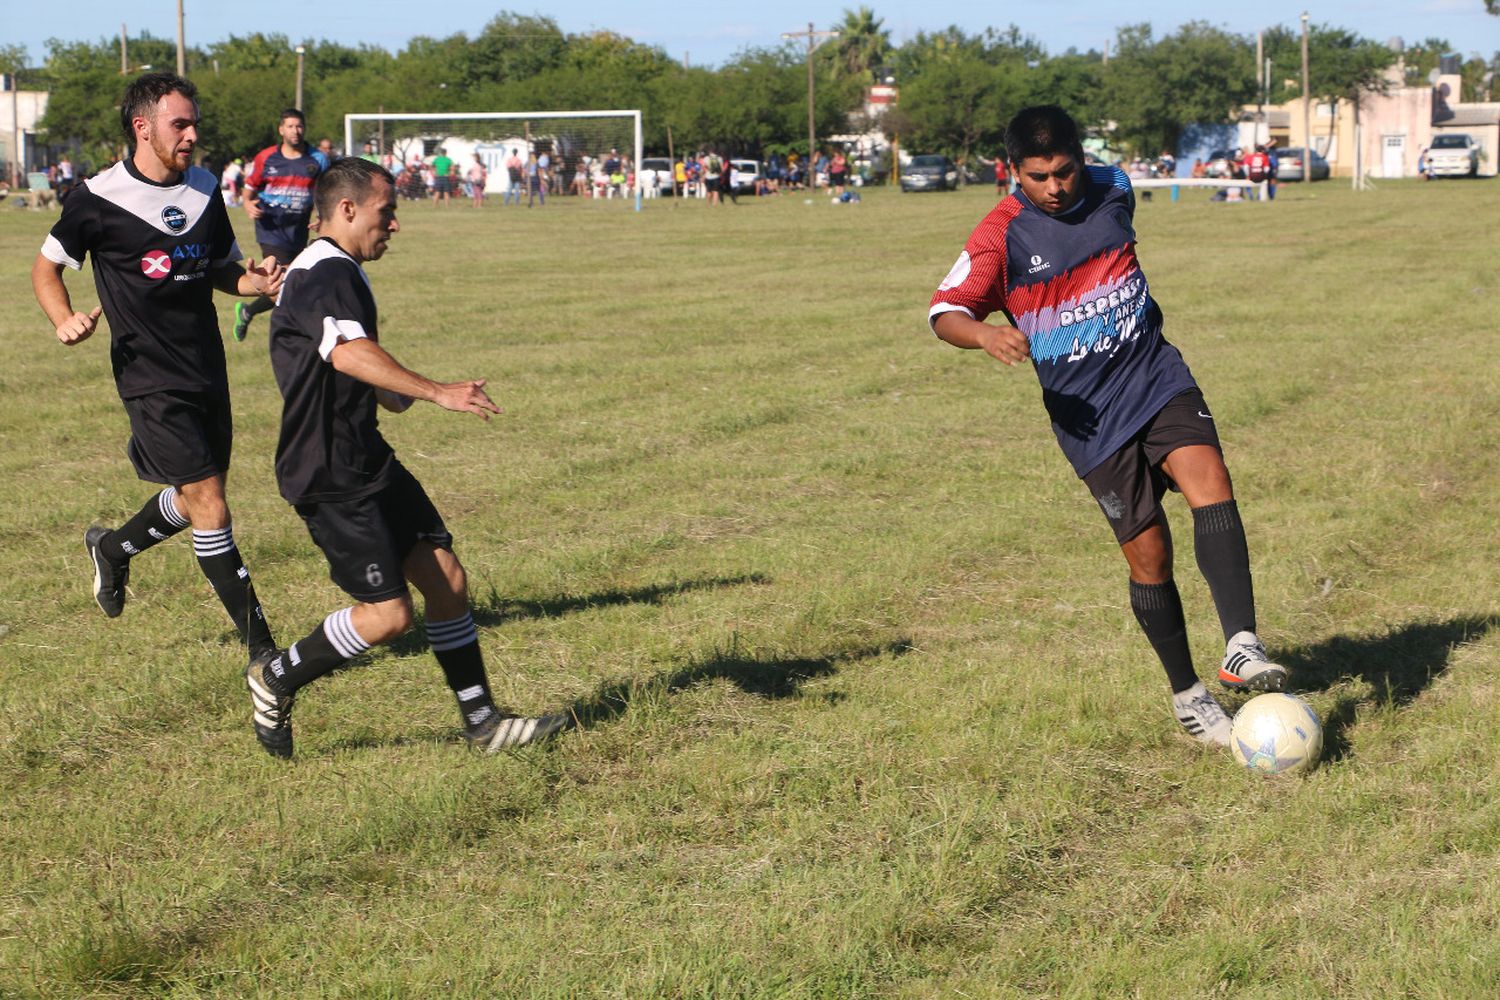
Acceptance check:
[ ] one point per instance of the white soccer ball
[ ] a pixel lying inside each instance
(1276, 734)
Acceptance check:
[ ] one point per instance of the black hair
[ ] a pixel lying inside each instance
(351, 178)
(144, 92)
(1044, 130)
(292, 113)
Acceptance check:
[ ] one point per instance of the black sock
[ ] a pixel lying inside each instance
(219, 558)
(323, 650)
(157, 521)
(1224, 560)
(261, 303)
(1158, 608)
(455, 643)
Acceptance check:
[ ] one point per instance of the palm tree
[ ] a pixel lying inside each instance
(862, 44)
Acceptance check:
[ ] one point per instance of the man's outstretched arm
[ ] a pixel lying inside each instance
(367, 361)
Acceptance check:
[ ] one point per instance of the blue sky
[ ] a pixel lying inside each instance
(710, 31)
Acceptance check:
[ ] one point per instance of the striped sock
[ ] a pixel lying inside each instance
(219, 558)
(155, 522)
(455, 643)
(324, 649)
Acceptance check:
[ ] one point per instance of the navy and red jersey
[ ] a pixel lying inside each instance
(1072, 285)
(285, 189)
(154, 247)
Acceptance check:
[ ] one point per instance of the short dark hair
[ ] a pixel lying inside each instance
(292, 113)
(1043, 130)
(142, 95)
(351, 178)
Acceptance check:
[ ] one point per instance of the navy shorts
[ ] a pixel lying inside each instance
(179, 436)
(366, 541)
(1130, 483)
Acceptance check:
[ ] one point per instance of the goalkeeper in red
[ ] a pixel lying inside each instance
(1057, 261)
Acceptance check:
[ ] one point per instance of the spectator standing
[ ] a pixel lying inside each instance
(713, 169)
(442, 177)
(478, 178)
(838, 173)
(515, 175)
(229, 181)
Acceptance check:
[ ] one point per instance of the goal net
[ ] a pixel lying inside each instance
(588, 153)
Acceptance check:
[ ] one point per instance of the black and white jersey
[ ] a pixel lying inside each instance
(331, 448)
(153, 247)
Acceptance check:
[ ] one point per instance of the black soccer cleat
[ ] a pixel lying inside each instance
(272, 716)
(501, 731)
(110, 577)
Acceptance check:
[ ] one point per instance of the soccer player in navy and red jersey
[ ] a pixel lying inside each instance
(1057, 259)
(279, 197)
(161, 242)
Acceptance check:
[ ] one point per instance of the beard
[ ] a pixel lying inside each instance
(168, 156)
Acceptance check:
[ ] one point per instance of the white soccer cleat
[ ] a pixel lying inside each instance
(1201, 715)
(1247, 668)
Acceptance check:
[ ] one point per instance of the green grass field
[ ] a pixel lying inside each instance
(863, 709)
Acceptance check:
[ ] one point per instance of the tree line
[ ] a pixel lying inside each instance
(957, 89)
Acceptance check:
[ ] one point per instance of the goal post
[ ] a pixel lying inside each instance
(573, 141)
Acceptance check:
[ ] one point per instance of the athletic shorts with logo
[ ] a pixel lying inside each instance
(179, 436)
(1130, 483)
(367, 540)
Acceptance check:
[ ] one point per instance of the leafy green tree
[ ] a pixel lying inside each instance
(1197, 75)
(862, 46)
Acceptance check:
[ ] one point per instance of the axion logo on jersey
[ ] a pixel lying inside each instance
(175, 218)
(156, 265)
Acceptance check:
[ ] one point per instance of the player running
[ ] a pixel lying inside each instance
(1057, 258)
(161, 242)
(370, 517)
(279, 197)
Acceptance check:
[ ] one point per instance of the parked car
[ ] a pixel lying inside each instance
(663, 168)
(1289, 165)
(929, 172)
(743, 174)
(1453, 154)
(1223, 163)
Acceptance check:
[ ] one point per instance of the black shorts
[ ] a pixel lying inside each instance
(283, 254)
(179, 437)
(366, 541)
(1130, 483)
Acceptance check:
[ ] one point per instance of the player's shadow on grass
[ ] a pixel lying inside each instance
(1398, 666)
(778, 677)
(493, 610)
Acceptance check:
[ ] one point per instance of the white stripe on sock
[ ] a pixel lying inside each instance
(213, 543)
(339, 628)
(166, 502)
(453, 634)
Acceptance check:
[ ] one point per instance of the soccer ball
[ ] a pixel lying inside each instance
(1276, 734)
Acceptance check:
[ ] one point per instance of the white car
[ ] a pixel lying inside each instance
(743, 174)
(1453, 154)
(662, 168)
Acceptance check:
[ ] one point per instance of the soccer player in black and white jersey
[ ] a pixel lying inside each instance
(370, 516)
(161, 243)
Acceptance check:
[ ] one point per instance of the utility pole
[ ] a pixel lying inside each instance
(1307, 148)
(1260, 90)
(301, 49)
(813, 39)
(181, 43)
(124, 62)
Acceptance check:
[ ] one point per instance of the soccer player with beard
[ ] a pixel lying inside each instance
(369, 516)
(161, 243)
(1057, 259)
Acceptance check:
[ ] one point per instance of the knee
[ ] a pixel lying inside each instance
(204, 504)
(385, 621)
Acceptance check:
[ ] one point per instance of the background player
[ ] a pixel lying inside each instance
(279, 197)
(161, 242)
(1057, 258)
(370, 517)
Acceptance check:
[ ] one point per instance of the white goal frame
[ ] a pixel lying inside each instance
(391, 116)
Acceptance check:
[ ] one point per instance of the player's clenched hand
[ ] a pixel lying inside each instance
(465, 397)
(79, 327)
(253, 209)
(266, 277)
(1004, 343)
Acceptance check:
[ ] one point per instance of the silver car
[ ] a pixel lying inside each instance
(1453, 154)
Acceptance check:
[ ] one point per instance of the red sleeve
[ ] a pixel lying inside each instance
(257, 174)
(976, 284)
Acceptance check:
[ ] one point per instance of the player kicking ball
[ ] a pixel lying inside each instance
(370, 517)
(1057, 258)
